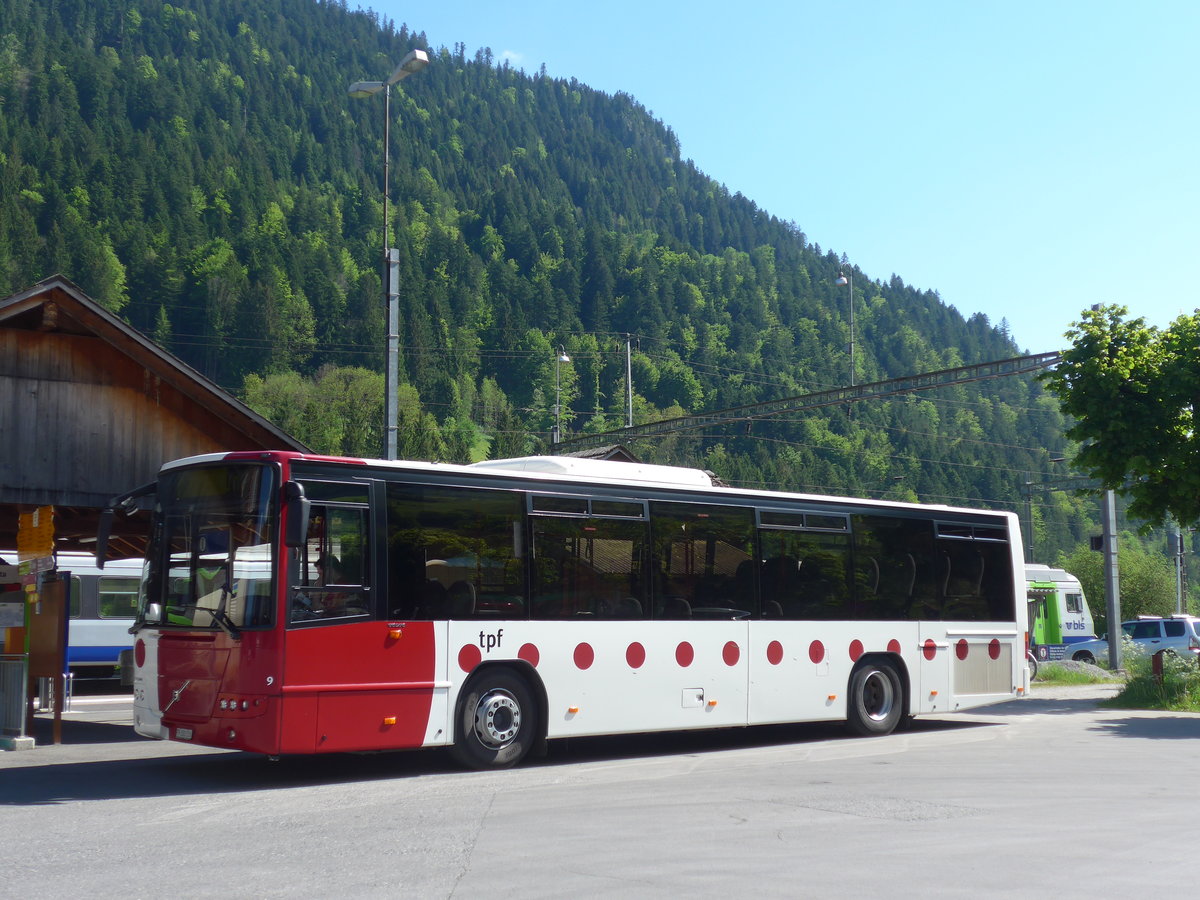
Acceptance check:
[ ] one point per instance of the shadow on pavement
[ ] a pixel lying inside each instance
(220, 772)
(1157, 727)
(76, 732)
(1034, 706)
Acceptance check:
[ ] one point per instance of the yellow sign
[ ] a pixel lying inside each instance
(35, 533)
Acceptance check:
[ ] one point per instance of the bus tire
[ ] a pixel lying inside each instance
(876, 699)
(496, 721)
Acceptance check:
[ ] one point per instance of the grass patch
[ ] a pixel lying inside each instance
(1177, 690)
(1057, 674)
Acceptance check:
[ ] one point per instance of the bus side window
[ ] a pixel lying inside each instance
(806, 574)
(698, 550)
(118, 597)
(332, 579)
(453, 553)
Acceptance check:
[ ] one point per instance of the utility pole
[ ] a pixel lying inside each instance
(1112, 587)
(1176, 538)
(628, 383)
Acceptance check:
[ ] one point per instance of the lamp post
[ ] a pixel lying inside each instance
(556, 435)
(414, 61)
(849, 280)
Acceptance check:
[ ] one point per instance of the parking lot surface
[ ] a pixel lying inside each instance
(1051, 794)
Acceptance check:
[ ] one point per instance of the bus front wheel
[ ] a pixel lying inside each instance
(876, 699)
(496, 721)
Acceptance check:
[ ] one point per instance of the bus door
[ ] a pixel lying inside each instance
(353, 679)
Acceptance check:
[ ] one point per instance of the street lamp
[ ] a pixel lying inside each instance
(556, 435)
(414, 61)
(849, 280)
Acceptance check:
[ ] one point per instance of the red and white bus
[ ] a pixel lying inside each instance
(302, 604)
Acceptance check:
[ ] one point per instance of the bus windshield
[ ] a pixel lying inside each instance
(210, 561)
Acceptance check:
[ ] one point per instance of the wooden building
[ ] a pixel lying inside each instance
(90, 408)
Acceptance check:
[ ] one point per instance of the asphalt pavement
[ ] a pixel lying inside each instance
(99, 726)
(1051, 794)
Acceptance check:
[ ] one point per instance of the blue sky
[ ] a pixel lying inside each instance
(1022, 159)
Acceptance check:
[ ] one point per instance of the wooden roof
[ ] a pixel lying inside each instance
(90, 408)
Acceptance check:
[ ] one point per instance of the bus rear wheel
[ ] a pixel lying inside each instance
(876, 699)
(496, 722)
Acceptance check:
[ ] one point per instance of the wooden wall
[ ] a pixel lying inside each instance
(80, 421)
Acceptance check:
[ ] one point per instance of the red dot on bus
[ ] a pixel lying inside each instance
(893, 646)
(139, 653)
(684, 654)
(635, 655)
(774, 653)
(930, 648)
(731, 653)
(961, 648)
(994, 649)
(584, 656)
(529, 653)
(469, 657)
(856, 650)
(816, 651)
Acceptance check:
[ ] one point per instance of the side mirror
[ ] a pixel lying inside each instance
(298, 507)
(128, 503)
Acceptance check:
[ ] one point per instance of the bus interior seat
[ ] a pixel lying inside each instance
(461, 600)
(963, 582)
(622, 607)
(676, 608)
(432, 603)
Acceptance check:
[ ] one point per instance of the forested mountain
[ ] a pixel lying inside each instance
(198, 168)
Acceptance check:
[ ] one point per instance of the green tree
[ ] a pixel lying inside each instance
(1147, 581)
(1134, 391)
(186, 164)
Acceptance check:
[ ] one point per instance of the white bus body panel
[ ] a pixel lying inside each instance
(608, 677)
(147, 716)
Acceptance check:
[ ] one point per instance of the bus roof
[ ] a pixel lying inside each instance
(601, 470)
(1042, 572)
(570, 468)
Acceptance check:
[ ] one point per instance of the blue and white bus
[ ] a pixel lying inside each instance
(102, 607)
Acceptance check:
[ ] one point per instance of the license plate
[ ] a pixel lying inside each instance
(183, 734)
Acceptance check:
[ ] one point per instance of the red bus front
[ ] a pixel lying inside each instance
(244, 574)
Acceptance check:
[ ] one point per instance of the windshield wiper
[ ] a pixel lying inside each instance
(219, 615)
(222, 618)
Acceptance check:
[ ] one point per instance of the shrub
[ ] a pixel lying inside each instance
(1177, 689)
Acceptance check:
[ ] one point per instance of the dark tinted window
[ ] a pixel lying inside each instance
(703, 561)
(454, 553)
(976, 579)
(560, 505)
(1143, 630)
(588, 568)
(805, 575)
(895, 568)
